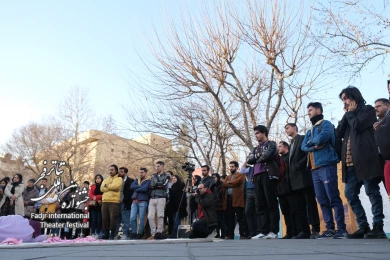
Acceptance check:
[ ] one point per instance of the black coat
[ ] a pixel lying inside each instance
(207, 203)
(283, 187)
(178, 198)
(127, 193)
(359, 126)
(298, 174)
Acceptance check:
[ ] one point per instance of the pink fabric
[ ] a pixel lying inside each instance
(11, 241)
(77, 240)
(387, 177)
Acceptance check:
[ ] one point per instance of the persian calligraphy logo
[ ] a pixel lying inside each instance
(58, 187)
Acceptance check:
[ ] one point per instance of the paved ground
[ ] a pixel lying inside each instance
(226, 250)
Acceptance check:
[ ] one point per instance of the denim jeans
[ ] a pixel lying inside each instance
(325, 181)
(252, 213)
(96, 221)
(352, 191)
(176, 223)
(138, 208)
(124, 217)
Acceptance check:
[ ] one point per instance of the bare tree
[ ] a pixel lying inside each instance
(240, 63)
(356, 32)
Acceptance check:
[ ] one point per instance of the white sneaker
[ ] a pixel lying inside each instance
(271, 235)
(212, 235)
(124, 238)
(259, 236)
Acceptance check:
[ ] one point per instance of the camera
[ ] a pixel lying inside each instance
(189, 168)
(193, 190)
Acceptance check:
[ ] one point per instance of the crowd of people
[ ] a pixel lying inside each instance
(290, 177)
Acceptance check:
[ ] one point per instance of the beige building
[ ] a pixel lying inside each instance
(97, 150)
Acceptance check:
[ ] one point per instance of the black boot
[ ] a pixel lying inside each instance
(376, 232)
(358, 234)
(112, 235)
(106, 234)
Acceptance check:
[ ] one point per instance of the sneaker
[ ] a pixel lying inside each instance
(376, 232)
(327, 234)
(314, 235)
(259, 236)
(302, 235)
(138, 237)
(360, 233)
(151, 238)
(271, 235)
(340, 234)
(124, 237)
(212, 235)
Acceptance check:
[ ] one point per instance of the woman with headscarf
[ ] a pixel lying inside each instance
(12, 201)
(95, 206)
(178, 203)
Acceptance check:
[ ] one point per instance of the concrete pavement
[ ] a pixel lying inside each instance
(227, 250)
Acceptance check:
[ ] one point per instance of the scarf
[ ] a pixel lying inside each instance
(316, 118)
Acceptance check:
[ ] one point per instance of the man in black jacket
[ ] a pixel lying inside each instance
(207, 215)
(125, 203)
(300, 178)
(360, 161)
(292, 202)
(265, 177)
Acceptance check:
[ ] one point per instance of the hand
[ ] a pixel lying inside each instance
(11, 202)
(193, 194)
(25, 203)
(375, 125)
(352, 107)
(318, 147)
(13, 197)
(94, 197)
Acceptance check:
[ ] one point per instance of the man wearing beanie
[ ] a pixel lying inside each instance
(320, 143)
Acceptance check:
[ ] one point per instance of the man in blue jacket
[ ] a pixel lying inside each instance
(140, 188)
(319, 143)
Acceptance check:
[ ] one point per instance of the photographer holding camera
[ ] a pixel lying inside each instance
(207, 215)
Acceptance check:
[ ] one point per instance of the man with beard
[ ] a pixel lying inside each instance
(234, 184)
(319, 143)
(125, 203)
(360, 161)
(111, 188)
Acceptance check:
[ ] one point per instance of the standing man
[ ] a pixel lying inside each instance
(235, 203)
(252, 213)
(30, 192)
(125, 203)
(360, 161)
(42, 189)
(319, 143)
(140, 188)
(111, 188)
(300, 178)
(207, 180)
(158, 197)
(284, 193)
(266, 174)
(382, 108)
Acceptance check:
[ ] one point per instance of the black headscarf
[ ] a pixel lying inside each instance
(179, 184)
(14, 184)
(197, 180)
(98, 185)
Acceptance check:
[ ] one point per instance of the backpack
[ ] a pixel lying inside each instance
(282, 167)
(338, 141)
